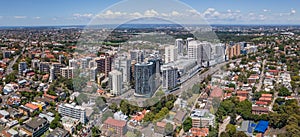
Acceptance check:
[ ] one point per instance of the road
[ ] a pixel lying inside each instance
(222, 126)
(200, 77)
(11, 64)
(259, 85)
(273, 101)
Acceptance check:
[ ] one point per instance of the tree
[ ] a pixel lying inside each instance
(79, 126)
(230, 129)
(239, 134)
(169, 105)
(100, 102)
(187, 124)
(196, 89)
(224, 134)
(124, 107)
(114, 107)
(169, 128)
(106, 115)
(283, 91)
(11, 77)
(148, 117)
(96, 132)
(56, 121)
(231, 85)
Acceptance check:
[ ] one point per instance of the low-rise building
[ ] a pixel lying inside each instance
(118, 126)
(179, 117)
(202, 118)
(59, 132)
(72, 110)
(35, 127)
(259, 110)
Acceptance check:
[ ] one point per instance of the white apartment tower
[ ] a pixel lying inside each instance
(122, 64)
(179, 46)
(171, 53)
(194, 51)
(67, 72)
(116, 82)
(169, 77)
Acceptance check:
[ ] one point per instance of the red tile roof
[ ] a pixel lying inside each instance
(31, 106)
(50, 96)
(216, 92)
(199, 132)
(261, 103)
(266, 95)
(114, 122)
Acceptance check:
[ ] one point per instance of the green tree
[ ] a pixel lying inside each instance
(114, 107)
(239, 134)
(231, 85)
(187, 124)
(169, 128)
(230, 129)
(283, 91)
(224, 134)
(96, 132)
(149, 117)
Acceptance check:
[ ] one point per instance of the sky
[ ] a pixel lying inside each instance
(84, 12)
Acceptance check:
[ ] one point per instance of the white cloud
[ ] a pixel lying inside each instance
(293, 11)
(151, 13)
(82, 16)
(20, 17)
(109, 14)
(37, 17)
(175, 13)
(251, 14)
(261, 17)
(136, 14)
(211, 12)
(266, 10)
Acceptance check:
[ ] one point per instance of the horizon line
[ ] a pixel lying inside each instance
(81, 25)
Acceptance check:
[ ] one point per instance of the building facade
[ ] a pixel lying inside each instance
(115, 82)
(171, 53)
(145, 83)
(73, 111)
(169, 77)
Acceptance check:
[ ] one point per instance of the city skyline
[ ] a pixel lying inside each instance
(55, 13)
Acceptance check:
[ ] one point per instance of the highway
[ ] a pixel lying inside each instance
(11, 64)
(200, 77)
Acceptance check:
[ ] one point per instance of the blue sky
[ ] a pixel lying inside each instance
(81, 12)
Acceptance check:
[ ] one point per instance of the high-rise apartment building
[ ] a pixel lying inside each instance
(169, 77)
(22, 67)
(122, 64)
(145, 84)
(179, 45)
(194, 51)
(116, 85)
(171, 53)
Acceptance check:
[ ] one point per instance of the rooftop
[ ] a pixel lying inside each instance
(58, 132)
(36, 122)
(114, 122)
